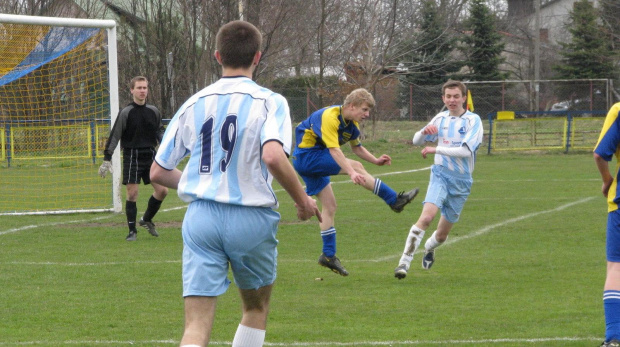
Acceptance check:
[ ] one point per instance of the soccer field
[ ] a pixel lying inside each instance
(524, 266)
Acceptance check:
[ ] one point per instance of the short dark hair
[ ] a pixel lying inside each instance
(237, 42)
(133, 81)
(454, 84)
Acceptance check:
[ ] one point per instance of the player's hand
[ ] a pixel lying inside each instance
(104, 168)
(384, 160)
(357, 178)
(427, 150)
(605, 188)
(430, 130)
(308, 209)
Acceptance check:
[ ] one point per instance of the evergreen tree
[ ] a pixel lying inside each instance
(483, 45)
(589, 54)
(429, 60)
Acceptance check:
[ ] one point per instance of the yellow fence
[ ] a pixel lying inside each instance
(33, 142)
(562, 132)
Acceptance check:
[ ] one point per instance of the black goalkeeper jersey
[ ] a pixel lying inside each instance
(137, 126)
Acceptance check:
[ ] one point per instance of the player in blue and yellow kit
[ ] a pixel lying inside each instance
(609, 145)
(318, 155)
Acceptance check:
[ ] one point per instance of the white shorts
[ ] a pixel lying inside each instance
(215, 235)
(448, 191)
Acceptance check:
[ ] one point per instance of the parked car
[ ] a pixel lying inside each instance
(582, 104)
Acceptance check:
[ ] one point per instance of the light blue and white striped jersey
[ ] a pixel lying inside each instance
(223, 128)
(456, 132)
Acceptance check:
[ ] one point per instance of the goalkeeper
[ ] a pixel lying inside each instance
(139, 129)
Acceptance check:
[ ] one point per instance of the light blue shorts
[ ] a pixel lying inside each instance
(315, 167)
(613, 236)
(448, 191)
(216, 235)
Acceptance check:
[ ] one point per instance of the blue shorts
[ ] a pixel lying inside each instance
(315, 167)
(215, 235)
(448, 191)
(613, 236)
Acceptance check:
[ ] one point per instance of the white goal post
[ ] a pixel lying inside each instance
(58, 101)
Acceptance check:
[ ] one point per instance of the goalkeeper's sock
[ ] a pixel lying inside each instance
(413, 242)
(248, 337)
(611, 303)
(329, 242)
(384, 192)
(432, 242)
(151, 209)
(131, 211)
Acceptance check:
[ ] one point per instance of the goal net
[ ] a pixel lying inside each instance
(58, 96)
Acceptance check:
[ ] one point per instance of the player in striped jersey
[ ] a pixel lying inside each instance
(238, 137)
(317, 156)
(458, 134)
(609, 145)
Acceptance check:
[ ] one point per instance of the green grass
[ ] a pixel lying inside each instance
(524, 266)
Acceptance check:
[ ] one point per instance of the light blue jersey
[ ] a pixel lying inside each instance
(232, 114)
(456, 132)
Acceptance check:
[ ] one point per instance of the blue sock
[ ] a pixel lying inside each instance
(385, 192)
(611, 303)
(329, 242)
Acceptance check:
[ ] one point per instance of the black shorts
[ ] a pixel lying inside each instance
(137, 165)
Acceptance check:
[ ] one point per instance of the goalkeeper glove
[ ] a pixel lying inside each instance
(105, 167)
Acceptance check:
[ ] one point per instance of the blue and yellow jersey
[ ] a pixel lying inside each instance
(326, 128)
(607, 146)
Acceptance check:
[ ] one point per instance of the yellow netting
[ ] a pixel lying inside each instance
(49, 120)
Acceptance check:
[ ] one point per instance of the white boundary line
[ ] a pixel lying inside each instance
(491, 227)
(477, 233)
(311, 344)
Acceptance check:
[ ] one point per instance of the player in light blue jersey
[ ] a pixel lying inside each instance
(609, 145)
(238, 137)
(458, 134)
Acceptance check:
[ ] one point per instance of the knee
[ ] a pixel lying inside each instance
(330, 209)
(424, 221)
(162, 193)
(132, 196)
(357, 166)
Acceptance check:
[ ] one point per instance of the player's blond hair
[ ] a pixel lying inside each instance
(358, 97)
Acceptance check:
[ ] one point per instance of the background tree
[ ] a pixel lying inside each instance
(610, 16)
(483, 45)
(430, 60)
(589, 54)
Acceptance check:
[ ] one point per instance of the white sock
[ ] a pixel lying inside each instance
(432, 242)
(413, 241)
(190, 346)
(248, 337)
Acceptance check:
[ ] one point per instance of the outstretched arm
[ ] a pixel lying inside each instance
(345, 166)
(363, 153)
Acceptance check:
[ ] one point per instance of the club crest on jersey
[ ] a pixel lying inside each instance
(462, 131)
